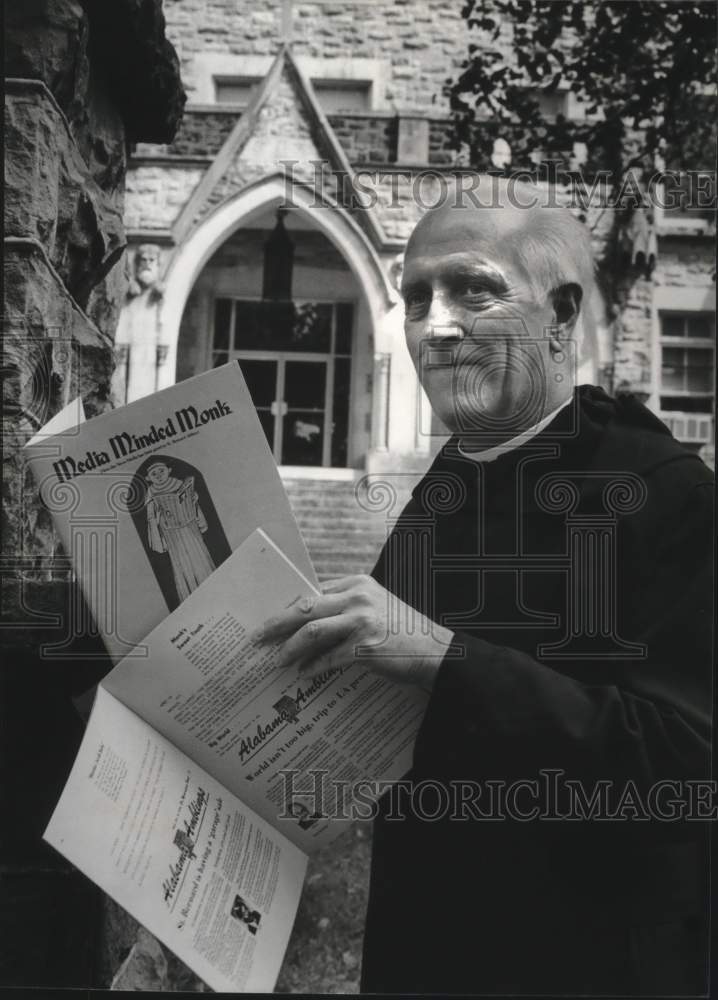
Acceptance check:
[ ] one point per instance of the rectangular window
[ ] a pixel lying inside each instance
(235, 90)
(342, 95)
(687, 387)
(259, 325)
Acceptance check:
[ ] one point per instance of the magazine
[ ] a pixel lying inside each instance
(207, 773)
(150, 498)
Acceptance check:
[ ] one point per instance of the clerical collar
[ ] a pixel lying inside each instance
(490, 454)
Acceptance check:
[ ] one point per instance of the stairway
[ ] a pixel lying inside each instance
(343, 536)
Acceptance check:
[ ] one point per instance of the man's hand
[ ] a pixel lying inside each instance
(353, 613)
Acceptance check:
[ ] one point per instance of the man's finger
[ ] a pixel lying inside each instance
(342, 655)
(341, 584)
(305, 610)
(314, 639)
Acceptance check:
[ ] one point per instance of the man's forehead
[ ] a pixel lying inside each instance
(460, 229)
(458, 235)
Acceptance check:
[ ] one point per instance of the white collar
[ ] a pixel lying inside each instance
(490, 454)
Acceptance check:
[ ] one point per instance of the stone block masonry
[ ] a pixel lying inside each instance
(422, 42)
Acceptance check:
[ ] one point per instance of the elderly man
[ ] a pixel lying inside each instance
(564, 641)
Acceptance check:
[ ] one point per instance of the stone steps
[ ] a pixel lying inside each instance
(347, 513)
(342, 536)
(330, 501)
(357, 540)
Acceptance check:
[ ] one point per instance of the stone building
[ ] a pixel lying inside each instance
(334, 113)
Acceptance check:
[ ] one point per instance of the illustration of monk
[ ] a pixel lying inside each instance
(175, 525)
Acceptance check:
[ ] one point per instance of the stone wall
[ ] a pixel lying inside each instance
(365, 138)
(422, 42)
(202, 133)
(686, 262)
(83, 79)
(156, 194)
(633, 340)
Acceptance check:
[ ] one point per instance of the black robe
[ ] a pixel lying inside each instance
(463, 903)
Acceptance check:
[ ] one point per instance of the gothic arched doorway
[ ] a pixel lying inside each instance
(305, 353)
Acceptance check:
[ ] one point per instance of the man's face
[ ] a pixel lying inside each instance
(158, 474)
(474, 326)
(147, 265)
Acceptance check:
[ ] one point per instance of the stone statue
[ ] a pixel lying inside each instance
(147, 272)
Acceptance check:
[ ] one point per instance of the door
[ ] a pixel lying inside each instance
(290, 395)
(298, 373)
(261, 378)
(304, 421)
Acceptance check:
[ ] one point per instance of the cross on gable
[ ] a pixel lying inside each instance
(287, 17)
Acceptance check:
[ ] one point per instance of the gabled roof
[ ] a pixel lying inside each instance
(222, 178)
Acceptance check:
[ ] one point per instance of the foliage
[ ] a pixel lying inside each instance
(640, 72)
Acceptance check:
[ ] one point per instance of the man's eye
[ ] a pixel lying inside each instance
(474, 289)
(416, 299)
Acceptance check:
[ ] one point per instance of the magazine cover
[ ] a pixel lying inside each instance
(151, 498)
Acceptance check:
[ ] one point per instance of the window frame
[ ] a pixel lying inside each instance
(320, 83)
(675, 417)
(353, 69)
(222, 78)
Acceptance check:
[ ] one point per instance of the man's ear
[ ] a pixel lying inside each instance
(566, 301)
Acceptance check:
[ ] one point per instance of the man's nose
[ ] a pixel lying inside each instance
(442, 322)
